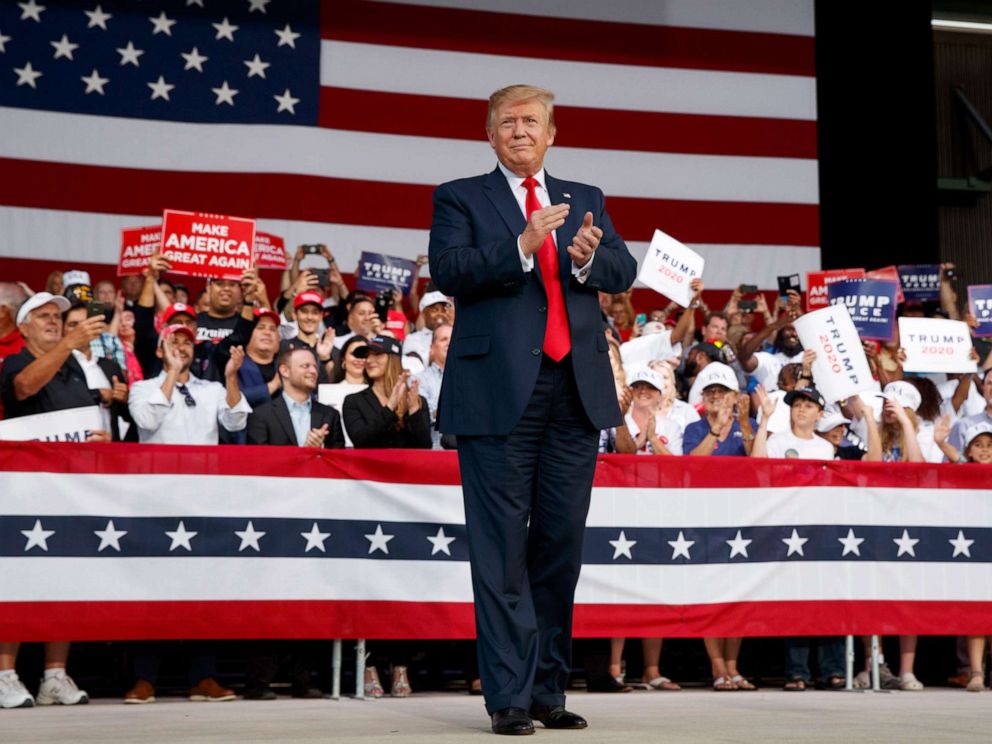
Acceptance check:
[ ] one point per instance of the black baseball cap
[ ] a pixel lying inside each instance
(809, 393)
(379, 345)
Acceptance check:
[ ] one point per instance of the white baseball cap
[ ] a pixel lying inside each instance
(433, 298)
(648, 376)
(37, 300)
(831, 420)
(717, 373)
(76, 276)
(905, 394)
(976, 431)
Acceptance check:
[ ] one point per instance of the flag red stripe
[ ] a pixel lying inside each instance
(84, 188)
(604, 129)
(441, 468)
(98, 621)
(487, 32)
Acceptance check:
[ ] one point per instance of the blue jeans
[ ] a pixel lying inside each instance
(829, 657)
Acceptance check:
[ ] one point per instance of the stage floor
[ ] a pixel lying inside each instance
(438, 718)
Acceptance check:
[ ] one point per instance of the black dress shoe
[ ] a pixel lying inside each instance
(512, 722)
(265, 693)
(556, 717)
(607, 684)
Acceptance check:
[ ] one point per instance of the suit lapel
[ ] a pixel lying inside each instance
(282, 416)
(566, 232)
(498, 192)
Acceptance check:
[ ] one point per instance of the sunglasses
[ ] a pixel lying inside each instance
(187, 396)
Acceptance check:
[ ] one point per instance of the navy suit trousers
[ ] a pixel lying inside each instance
(526, 500)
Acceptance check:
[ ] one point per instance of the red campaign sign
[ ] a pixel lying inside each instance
(817, 281)
(270, 252)
(210, 245)
(890, 273)
(137, 246)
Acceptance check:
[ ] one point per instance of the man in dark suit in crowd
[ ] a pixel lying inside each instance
(527, 388)
(294, 418)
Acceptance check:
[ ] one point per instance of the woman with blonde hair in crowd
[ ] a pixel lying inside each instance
(671, 406)
(622, 312)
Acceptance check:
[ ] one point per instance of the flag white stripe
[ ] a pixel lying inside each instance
(91, 237)
(765, 16)
(587, 84)
(155, 145)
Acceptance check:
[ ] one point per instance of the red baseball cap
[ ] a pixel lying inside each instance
(177, 308)
(176, 328)
(308, 298)
(265, 312)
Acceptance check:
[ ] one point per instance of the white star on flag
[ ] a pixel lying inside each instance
(315, 538)
(225, 30)
(256, 66)
(94, 83)
(110, 537)
(681, 546)
(160, 88)
(97, 18)
(851, 543)
(377, 540)
(194, 60)
(287, 37)
(440, 541)
(181, 537)
(27, 75)
(249, 537)
(64, 47)
(962, 546)
(258, 5)
(906, 544)
(622, 546)
(225, 94)
(129, 55)
(3, 42)
(37, 536)
(162, 24)
(287, 102)
(190, 3)
(738, 546)
(31, 10)
(795, 543)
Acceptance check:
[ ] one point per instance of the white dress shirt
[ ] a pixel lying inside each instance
(162, 420)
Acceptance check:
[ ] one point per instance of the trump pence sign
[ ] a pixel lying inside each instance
(211, 245)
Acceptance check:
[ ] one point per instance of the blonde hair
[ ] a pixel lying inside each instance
(892, 433)
(517, 94)
(394, 368)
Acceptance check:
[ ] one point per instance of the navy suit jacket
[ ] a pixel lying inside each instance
(501, 310)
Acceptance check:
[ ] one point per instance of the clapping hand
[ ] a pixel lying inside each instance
(235, 362)
(766, 402)
(540, 223)
(413, 397)
(315, 437)
(585, 242)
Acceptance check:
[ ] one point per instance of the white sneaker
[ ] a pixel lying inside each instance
(13, 693)
(910, 682)
(862, 681)
(61, 691)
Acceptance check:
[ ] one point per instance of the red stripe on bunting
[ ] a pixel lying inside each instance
(460, 118)
(84, 188)
(441, 468)
(542, 37)
(101, 621)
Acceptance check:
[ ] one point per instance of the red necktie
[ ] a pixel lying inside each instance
(557, 339)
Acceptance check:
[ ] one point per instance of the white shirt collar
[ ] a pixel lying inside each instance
(516, 181)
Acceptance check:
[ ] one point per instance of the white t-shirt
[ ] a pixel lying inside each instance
(787, 445)
(769, 366)
(667, 429)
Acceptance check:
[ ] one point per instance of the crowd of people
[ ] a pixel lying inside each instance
(238, 365)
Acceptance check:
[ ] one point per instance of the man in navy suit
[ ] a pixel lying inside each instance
(527, 388)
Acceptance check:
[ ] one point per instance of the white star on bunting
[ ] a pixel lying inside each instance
(287, 102)
(129, 55)
(97, 18)
(851, 543)
(906, 544)
(27, 75)
(181, 537)
(287, 37)
(249, 537)
(190, 3)
(3, 42)
(110, 537)
(225, 94)
(962, 546)
(738, 546)
(258, 5)
(37, 537)
(64, 47)
(225, 30)
(440, 542)
(315, 539)
(681, 546)
(256, 66)
(622, 546)
(377, 540)
(31, 10)
(795, 543)
(194, 60)
(160, 88)
(163, 24)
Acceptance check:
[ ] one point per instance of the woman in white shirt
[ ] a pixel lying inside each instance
(645, 431)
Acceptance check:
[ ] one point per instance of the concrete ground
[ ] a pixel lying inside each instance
(439, 718)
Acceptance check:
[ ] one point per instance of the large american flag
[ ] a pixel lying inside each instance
(332, 121)
(135, 541)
